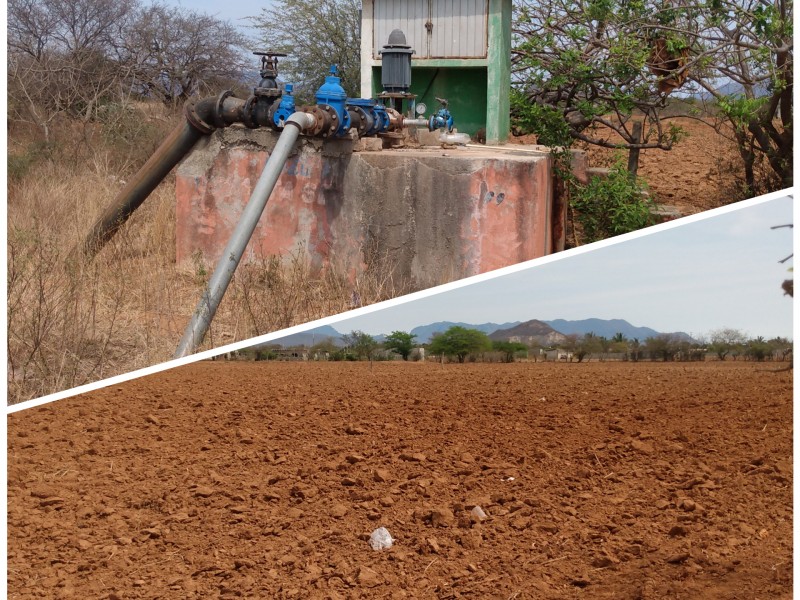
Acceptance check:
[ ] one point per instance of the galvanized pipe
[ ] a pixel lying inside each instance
(415, 122)
(226, 266)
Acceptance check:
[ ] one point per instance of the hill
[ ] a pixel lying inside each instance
(544, 333)
(608, 328)
(308, 338)
(424, 333)
(529, 333)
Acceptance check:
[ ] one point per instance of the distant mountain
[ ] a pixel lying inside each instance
(530, 332)
(733, 89)
(309, 338)
(545, 333)
(424, 333)
(607, 328)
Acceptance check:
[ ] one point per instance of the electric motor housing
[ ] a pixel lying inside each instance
(396, 67)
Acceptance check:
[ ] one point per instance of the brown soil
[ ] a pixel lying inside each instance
(694, 176)
(698, 174)
(612, 480)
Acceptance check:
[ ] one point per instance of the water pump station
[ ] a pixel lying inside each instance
(473, 210)
(459, 50)
(333, 116)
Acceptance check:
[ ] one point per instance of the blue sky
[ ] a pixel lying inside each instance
(235, 11)
(722, 271)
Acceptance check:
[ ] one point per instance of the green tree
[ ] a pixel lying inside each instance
(750, 44)
(780, 347)
(663, 346)
(508, 349)
(582, 68)
(612, 205)
(401, 342)
(636, 349)
(361, 344)
(589, 344)
(757, 349)
(725, 341)
(314, 34)
(325, 346)
(579, 64)
(619, 344)
(460, 342)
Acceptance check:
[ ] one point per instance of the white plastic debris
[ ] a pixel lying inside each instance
(380, 539)
(478, 513)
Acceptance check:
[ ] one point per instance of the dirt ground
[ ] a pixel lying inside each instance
(262, 480)
(696, 175)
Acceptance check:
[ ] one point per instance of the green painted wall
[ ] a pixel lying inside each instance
(464, 87)
(499, 88)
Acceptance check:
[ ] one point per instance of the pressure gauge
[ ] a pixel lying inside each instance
(421, 108)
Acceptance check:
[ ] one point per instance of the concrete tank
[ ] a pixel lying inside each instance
(432, 215)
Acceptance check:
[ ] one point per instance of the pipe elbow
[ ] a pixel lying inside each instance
(302, 120)
(209, 114)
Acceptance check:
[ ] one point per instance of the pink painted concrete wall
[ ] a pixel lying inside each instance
(433, 216)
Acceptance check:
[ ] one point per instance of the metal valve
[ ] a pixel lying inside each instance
(268, 86)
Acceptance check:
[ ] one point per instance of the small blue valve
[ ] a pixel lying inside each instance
(285, 109)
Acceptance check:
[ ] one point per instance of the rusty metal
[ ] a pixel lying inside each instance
(219, 110)
(198, 113)
(169, 154)
(324, 125)
(202, 118)
(395, 119)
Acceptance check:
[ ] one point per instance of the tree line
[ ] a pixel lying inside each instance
(80, 59)
(461, 344)
(615, 64)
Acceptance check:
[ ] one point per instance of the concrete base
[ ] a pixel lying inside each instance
(434, 215)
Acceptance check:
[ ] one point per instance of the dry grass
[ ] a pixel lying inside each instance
(71, 321)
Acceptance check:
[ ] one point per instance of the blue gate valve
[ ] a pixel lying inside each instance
(285, 109)
(332, 94)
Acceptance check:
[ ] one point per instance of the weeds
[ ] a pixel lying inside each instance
(71, 322)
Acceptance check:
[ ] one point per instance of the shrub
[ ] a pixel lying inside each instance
(612, 205)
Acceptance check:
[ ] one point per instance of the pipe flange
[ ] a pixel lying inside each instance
(363, 119)
(194, 119)
(248, 113)
(219, 119)
(333, 119)
(324, 125)
(395, 119)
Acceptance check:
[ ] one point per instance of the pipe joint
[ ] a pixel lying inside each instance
(199, 113)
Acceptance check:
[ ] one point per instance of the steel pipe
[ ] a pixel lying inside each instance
(202, 118)
(226, 266)
(415, 122)
(169, 153)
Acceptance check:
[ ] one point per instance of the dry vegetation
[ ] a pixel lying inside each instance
(71, 322)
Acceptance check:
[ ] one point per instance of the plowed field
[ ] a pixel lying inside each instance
(264, 480)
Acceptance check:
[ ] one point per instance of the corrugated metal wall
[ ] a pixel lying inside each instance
(459, 27)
